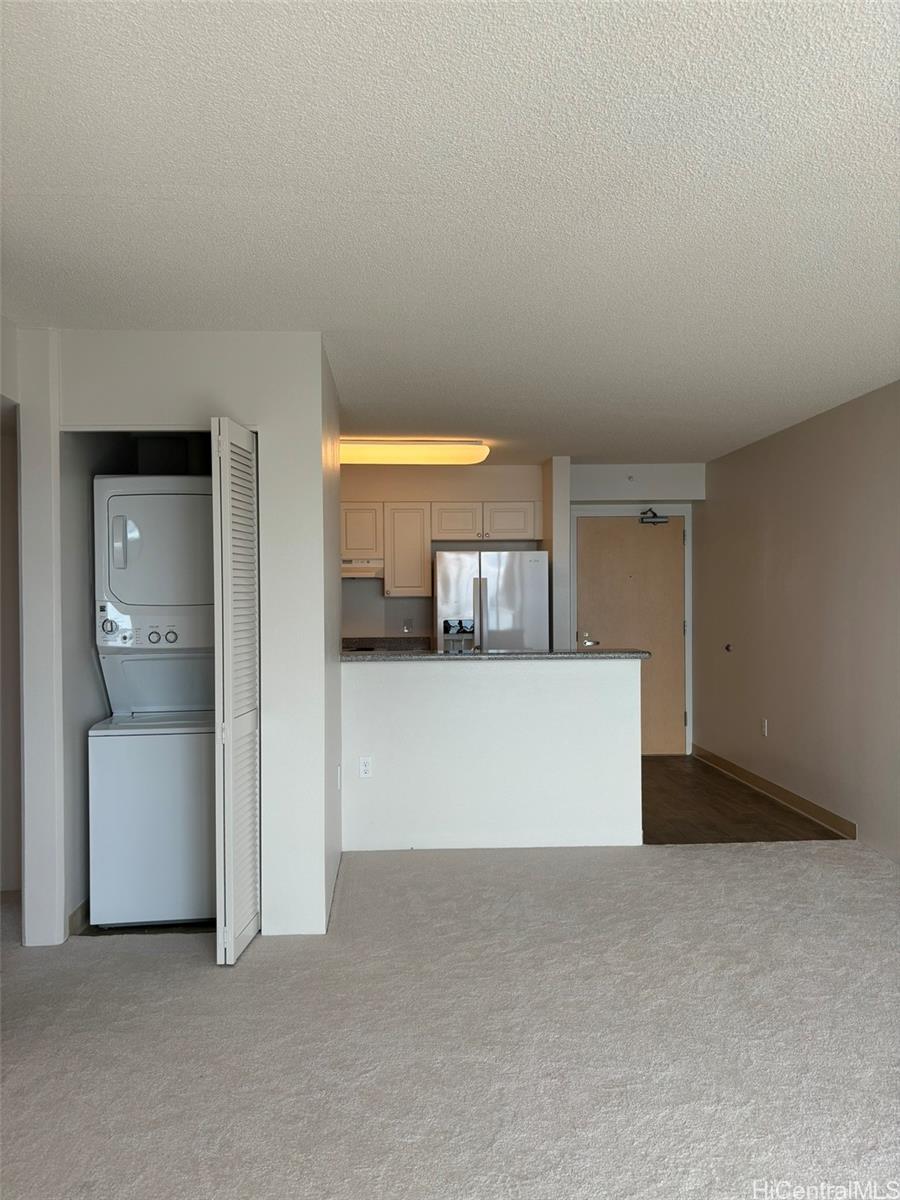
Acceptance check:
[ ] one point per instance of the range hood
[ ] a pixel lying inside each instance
(362, 568)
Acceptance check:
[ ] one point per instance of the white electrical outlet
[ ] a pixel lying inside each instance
(366, 766)
(764, 727)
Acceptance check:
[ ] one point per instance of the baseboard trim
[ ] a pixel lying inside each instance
(78, 919)
(824, 816)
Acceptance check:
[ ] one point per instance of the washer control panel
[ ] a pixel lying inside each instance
(191, 629)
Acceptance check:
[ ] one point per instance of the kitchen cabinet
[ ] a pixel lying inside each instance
(502, 520)
(407, 549)
(509, 520)
(456, 521)
(362, 530)
(400, 534)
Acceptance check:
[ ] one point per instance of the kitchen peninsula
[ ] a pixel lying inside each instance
(484, 750)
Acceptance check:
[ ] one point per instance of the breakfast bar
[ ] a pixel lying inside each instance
(491, 750)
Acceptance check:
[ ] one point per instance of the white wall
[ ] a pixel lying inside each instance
(274, 383)
(84, 698)
(10, 723)
(796, 565)
(44, 910)
(470, 752)
(596, 482)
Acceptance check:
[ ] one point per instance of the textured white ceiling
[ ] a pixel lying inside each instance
(639, 231)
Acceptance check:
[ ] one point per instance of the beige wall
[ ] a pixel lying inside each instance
(441, 483)
(797, 564)
(366, 612)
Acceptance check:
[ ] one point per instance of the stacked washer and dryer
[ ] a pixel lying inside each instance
(152, 762)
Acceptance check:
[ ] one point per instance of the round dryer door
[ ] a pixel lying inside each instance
(160, 549)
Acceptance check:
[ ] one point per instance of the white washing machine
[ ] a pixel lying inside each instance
(152, 827)
(152, 763)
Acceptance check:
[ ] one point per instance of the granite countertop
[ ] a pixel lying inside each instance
(385, 655)
(406, 643)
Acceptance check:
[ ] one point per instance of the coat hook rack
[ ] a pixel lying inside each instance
(651, 517)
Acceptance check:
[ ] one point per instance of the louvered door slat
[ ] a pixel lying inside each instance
(237, 688)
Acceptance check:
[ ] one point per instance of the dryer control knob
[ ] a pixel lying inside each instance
(109, 626)
(171, 636)
(153, 636)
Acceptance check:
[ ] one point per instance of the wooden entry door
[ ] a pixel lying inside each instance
(631, 593)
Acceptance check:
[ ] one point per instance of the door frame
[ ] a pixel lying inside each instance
(635, 510)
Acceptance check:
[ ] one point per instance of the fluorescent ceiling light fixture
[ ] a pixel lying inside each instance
(412, 452)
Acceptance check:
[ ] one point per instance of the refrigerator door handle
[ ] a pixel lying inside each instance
(483, 608)
(476, 610)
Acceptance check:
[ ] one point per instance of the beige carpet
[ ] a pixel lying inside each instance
(541, 1025)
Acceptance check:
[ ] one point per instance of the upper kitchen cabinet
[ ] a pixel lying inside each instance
(510, 520)
(407, 549)
(456, 521)
(502, 520)
(362, 530)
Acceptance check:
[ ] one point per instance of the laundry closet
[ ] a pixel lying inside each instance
(160, 677)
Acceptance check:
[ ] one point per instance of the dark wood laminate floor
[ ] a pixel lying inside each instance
(687, 801)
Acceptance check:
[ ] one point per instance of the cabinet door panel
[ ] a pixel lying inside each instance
(362, 530)
(456, 522)
(407, 546)
(509, 520)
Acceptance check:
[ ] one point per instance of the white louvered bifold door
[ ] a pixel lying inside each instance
(236, 554)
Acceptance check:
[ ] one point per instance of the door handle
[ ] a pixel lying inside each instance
(483, 597)
(476, 611)
(119, 543)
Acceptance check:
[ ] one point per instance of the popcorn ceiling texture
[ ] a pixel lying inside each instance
(648, 1023)
(625, 231)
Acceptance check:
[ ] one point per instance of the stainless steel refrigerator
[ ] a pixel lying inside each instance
(492, 601)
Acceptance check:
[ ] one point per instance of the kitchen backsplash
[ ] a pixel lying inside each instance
(366, 612)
